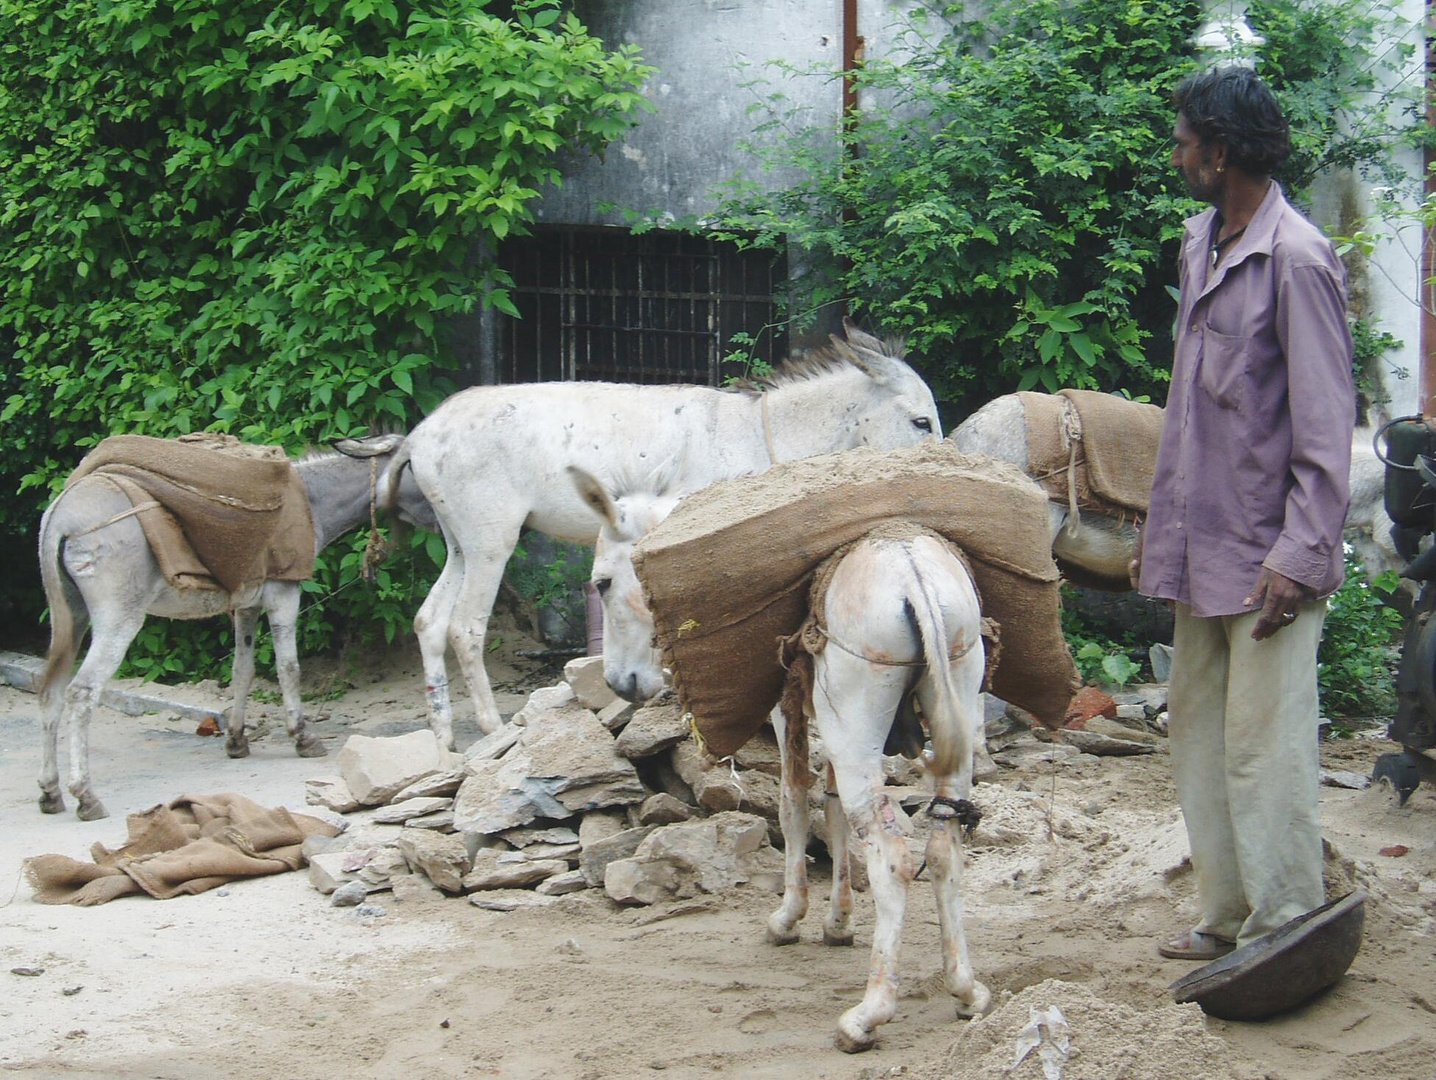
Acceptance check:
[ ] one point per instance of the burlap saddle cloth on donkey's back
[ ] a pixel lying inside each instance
(1096, 450)
(727, 574)
(217, 513)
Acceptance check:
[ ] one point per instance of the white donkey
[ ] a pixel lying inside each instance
(900, 614)
(1097, 551)
(894, 608)
(99, 573)
(491, 460)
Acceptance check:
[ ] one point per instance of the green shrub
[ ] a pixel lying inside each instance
(1356, 665)
(1008, 203)
(264, 219)
(1099, 657)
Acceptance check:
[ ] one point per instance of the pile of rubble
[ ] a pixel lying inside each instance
(581, 790)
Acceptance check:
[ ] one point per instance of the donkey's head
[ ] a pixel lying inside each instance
(631, 665)
(856, 391)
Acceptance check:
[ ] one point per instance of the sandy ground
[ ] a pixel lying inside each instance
(1073, 875)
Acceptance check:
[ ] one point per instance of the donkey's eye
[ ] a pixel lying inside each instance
(922, 423)
(602, 585)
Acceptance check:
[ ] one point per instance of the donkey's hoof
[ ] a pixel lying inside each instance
(91, 809)
(978, 1006)
(852, 1039)
(776, 935)
(310, 746)
(839, 938)
(237, 748)
(52, 802)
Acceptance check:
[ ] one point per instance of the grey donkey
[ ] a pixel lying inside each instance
(100, 574)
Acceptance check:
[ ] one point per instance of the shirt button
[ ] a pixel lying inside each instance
(1193, 328)
(1179, 524)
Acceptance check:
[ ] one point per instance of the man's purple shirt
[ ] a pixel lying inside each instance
(1255, 456)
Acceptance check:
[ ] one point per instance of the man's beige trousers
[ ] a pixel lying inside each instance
(1243, 727)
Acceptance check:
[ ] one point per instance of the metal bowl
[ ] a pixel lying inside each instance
(1279, 971)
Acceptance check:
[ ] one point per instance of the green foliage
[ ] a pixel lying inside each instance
(1100, 659)
(263, 219)
(1008, 203)
(1356, 664)
(551, 584)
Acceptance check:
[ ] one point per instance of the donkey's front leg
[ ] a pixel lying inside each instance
(793, 816)
(246, 620)
(283, 607)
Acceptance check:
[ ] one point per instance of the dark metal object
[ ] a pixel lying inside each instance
(1282, 970)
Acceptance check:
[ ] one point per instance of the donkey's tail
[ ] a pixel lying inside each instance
(66, 627)
(950, 724)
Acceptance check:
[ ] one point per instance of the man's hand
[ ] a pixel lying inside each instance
(1279, 597)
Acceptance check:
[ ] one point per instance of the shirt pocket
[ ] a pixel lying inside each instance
(1223, 374)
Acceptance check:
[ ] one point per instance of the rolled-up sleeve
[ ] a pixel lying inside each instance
(1312, 329)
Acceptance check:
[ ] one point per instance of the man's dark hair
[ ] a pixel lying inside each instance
(1232, 104)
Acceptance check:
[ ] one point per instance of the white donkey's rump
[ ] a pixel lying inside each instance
(99, 574)
(899, 614)
(492, 460)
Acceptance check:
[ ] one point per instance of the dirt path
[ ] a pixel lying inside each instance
(1073, 875)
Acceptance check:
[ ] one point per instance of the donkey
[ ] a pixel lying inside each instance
(894, 607)
(99, 573)
(1096, 550)
(886, 600)
(491, 461)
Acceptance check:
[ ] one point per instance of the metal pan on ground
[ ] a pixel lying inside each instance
(1292, 964)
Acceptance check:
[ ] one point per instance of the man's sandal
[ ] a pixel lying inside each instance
(1195, 945)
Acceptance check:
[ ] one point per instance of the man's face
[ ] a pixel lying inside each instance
(1196, 161)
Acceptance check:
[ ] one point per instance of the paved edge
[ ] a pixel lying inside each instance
(22, 671)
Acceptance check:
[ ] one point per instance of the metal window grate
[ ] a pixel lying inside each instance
(652, 308)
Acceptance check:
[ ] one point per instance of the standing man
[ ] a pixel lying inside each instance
(1248, 503)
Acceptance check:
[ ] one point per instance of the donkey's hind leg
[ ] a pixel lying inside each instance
(793, 816)
(944, 848)
(431, 627)
(109, 641)
(51, 706)
(838, 926)
(484, 561)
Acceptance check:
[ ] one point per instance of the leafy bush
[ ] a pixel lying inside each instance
(1009, 204)
(1100, 658)
(263, 219)
(1356, 664)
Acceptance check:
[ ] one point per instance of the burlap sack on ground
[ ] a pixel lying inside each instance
(195, 843)
(230, 514)
(1116, 456)
(726, 575)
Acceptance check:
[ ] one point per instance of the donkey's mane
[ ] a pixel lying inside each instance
(834, 356)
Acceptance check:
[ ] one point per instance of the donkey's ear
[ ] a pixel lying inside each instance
(592, 491)
(369, 445)
(860, 338)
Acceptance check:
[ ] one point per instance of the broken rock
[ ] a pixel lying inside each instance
(543, 700)
(564, 763)
(440, 857)
(584, 675)
(663, 809)
(495, 869)
(330, 792)
(400, 812)
(377, 769)
(653, 729)
(705, 856)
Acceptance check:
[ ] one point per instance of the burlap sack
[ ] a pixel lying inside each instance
(1116, 442)
(726, 575)
(192, 844)
(230, 514)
